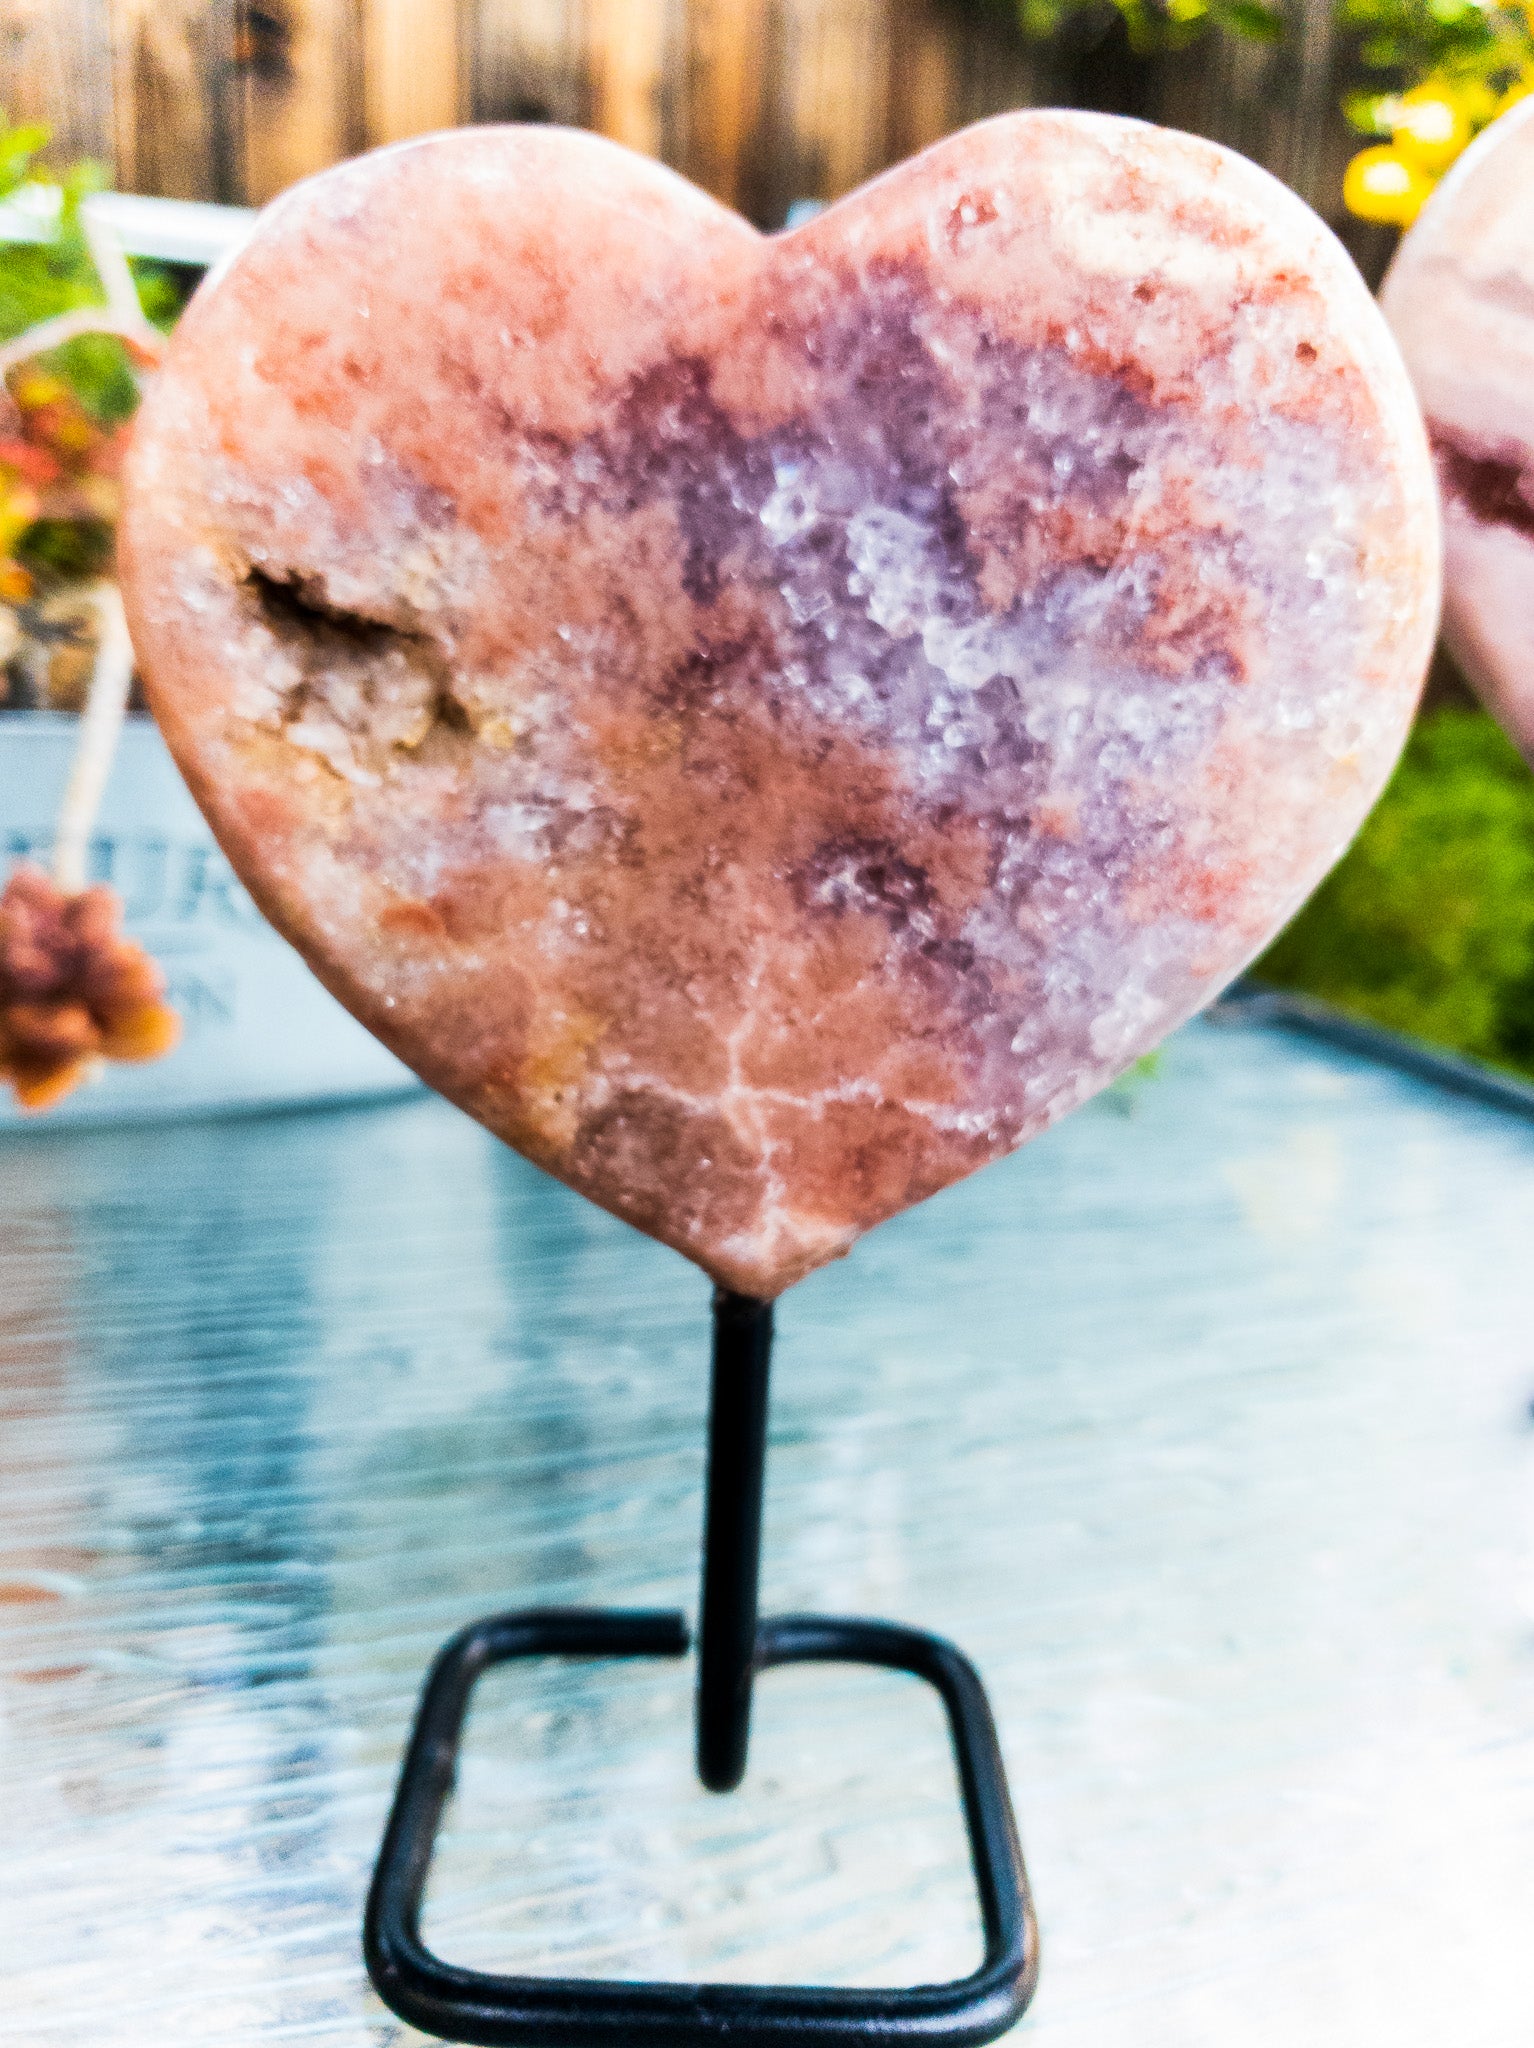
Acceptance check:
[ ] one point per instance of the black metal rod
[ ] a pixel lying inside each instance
(732, 1536)
(547, 2012)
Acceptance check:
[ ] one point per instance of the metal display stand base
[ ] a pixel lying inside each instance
(476, 2006)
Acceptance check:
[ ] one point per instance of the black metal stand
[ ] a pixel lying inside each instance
(474, 2006)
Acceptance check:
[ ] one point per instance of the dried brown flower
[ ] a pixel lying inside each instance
(73, 990)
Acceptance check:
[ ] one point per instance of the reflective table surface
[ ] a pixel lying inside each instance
(1203, 1425)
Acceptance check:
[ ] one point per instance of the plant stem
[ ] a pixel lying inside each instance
(106, 700)
(122, 314)
(100, 723)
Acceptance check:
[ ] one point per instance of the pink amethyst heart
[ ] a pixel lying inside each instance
(768, 724)
(1460, 297)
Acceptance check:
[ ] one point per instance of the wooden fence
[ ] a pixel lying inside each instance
(763, 101)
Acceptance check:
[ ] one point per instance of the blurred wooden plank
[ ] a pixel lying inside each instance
(724, 62)
(828, 112)
(1315, 141)
(995, 70)
(923, 88)
(762, 101)
(1226, 88)
(298, 62)
(1277, 104)
(841, 95)
(412, 72)
(56, 67)
(628, 53)
(528, 61)
(177, 123)
(234, 99)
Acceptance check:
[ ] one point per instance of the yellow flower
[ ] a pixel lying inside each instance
(1429, 127)
(1379, 184)
(33, 389)
(1477, 101)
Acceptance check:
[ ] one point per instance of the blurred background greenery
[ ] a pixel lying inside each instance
(1427, 925)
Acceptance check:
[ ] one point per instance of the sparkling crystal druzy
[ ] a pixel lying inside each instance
(1460, 296)
(768, 724)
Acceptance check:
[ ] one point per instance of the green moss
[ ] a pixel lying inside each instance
(1427, 925)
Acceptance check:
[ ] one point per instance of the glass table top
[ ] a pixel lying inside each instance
(1203, 1425)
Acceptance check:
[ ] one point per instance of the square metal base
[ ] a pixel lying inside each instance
(475, 2006)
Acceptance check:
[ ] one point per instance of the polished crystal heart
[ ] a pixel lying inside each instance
(1460, 296)
(767, 724)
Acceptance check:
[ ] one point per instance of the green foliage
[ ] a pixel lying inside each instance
(1427, 926)
(1464, 38)
(66, 550)
(18, 147)
(40, 279)
(1155, 24)
(1489, 43)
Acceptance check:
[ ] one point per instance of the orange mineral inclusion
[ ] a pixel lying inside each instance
(766, 724)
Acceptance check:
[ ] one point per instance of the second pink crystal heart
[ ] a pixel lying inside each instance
(767, 725)
(1460, 297)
